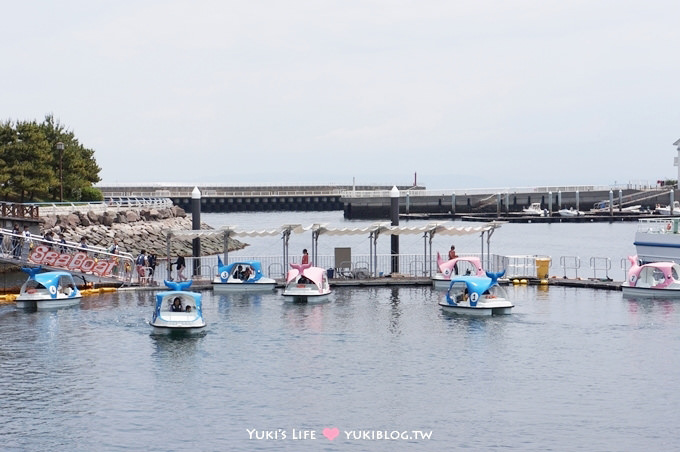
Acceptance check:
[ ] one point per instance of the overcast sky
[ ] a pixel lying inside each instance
(467, 93)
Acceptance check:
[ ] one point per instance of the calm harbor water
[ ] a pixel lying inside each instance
(570, 369)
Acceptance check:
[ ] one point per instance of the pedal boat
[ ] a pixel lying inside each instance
(469, 266)
(476, 295)
(48, 290)
(227, 279)
(306, 284)
(652, 280)
(167, 321)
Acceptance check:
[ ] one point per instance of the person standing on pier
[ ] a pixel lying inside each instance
(181, 265)
(28, 242)
(141, 264)
(16, 242)
(62, 244)
(305, 256)
(452, 253)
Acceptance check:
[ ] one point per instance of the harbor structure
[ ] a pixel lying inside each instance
(375, 202)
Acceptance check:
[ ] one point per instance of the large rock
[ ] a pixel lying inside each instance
(72, 220)
(94, 217)
(107, 219)
(132, 216)
(135, 231)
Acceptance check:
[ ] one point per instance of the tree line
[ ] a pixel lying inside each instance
(34, 168)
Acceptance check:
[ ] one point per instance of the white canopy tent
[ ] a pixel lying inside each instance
(373, 232)
(230, 231)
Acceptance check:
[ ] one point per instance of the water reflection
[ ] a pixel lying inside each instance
(304, 317)
(641, 305)
(175, 353)
(395, 312)
(367, 359)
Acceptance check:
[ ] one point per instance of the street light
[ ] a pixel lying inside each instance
(60, 148)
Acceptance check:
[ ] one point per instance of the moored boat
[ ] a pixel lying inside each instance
(653, 280)
(534, 209)
(465, 265)
(570, 212)
(47, 290)
(658, 240)
(667, 210)
(306, 284)
(241, 276)
(476, 295)
(178, 310)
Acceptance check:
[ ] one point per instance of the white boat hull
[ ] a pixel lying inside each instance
(649, 292)
(177, 322)
(568, 213)
(657, 247)
(305, 296)
(496, 307)
(177, 329)
(230, 287)
(46, 303)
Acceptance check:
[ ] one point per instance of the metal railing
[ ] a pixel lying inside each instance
(486, 191)
(601, 264)
(19, 211)
(18, 249)
(114, 203)
(570, 263)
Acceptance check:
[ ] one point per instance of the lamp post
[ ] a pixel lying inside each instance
(60, 148)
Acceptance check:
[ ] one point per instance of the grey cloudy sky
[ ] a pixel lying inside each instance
(467, 93)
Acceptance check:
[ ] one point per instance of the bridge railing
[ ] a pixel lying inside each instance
(226, 193)
(115, 203)
(417, 192)
(94, 262)
(17, 210)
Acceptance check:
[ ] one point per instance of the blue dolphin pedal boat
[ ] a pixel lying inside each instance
(48, 290)
(241, 276)
(476, 295)
(178, 310)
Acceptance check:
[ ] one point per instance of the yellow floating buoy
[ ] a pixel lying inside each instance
(107, 289)
(8, 298)
(544, 281)
(523, 281)
(515, 281)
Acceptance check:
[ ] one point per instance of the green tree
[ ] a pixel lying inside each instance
(28, 161)
(79, 169)
(33, 169)
(6, 136)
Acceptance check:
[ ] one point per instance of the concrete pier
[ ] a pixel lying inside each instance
(374, 202)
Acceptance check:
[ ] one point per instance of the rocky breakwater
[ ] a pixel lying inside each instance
(135, 229)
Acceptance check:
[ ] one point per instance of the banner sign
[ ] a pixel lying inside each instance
(79, 261)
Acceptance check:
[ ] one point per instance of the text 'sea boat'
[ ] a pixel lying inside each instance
(306, 284)
(48, 290)
(241, 276)
(654, 280)
(178, 310)
(476, 295)
(470, 266)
